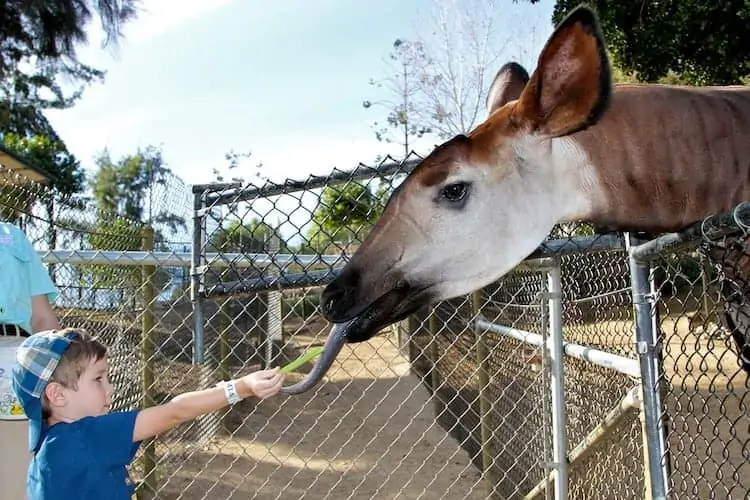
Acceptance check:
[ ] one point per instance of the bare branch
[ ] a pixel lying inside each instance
(441, 75)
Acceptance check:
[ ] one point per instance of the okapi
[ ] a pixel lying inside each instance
(562, 145)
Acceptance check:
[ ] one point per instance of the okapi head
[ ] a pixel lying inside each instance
(560, 145)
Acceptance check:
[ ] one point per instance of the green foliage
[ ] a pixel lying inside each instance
(129, 187)
(697, 42)
(38, 62)
(114, 234)
(302, 307)
(679, 274)
(67, 177)
(570, 229)
(242, 238)
(11, 204)
(128, 195)
(349, 205)
(342, 215)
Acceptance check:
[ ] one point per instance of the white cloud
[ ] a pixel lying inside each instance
(86, 132)
(155, 18)
(158, 17)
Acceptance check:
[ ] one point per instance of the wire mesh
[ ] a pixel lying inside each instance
(399, 416)
(704, 299)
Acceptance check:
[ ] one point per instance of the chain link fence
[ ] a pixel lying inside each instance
(705, 389)
(455, 402)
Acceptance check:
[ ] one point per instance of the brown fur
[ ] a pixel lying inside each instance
(443, 160)
(570, 87)
(668, 156)
(510, 81)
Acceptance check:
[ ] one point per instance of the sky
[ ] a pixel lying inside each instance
(284, 80)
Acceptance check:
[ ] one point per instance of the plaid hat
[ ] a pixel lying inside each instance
(36, 360)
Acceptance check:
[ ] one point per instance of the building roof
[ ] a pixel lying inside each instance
(16, 170)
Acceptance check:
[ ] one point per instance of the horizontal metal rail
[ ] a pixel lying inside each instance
(712, 228)
(612, 242)
(593, 298)
(277, 282)
(604, 359)
(362, 172)
(183, 259)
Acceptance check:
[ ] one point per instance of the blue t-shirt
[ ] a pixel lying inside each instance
(85, 460)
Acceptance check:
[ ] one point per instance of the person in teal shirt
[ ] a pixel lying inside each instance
(26, 289)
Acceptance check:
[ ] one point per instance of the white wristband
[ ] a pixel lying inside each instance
(230, 392)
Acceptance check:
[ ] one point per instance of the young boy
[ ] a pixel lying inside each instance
(80, 451)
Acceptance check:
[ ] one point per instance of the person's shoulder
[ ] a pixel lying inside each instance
(9, 229)
(64, 465)
(67, 440)
(113, 427)
(115, 419)
(13, 239)
(87, 426)
(60, 444)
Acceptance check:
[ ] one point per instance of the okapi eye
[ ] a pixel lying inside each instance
(455, 192)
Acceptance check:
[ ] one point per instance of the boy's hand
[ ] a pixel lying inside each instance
(261, 384)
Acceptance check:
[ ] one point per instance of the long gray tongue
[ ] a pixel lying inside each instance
(331, 348)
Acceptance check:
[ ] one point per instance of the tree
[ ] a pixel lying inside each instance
(242, 237)
(465, 48)
(38, 42)
(445, 70)
(692, 41)
(401, 80)
(131, 187)
(128, 194)
(67, 177)
(342, 215)
(114, 233)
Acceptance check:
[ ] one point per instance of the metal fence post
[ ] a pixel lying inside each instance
(274, 316)
(196, 276)
(555, 354)
(545, 396)
(647, 346)
(207, 425)
(148, 488)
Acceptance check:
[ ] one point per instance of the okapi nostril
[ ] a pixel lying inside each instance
(328, 300)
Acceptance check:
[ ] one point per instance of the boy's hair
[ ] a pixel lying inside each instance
(84, 349)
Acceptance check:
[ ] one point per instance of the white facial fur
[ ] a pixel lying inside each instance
(508, 213)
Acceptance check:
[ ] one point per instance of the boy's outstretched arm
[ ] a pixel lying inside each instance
(190, 405)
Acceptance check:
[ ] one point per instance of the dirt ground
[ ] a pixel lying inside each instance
(368, 431)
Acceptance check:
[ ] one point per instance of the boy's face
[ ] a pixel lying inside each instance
(94, 393)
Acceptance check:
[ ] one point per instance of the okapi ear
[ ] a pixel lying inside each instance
(509, 82)
(572, 84)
